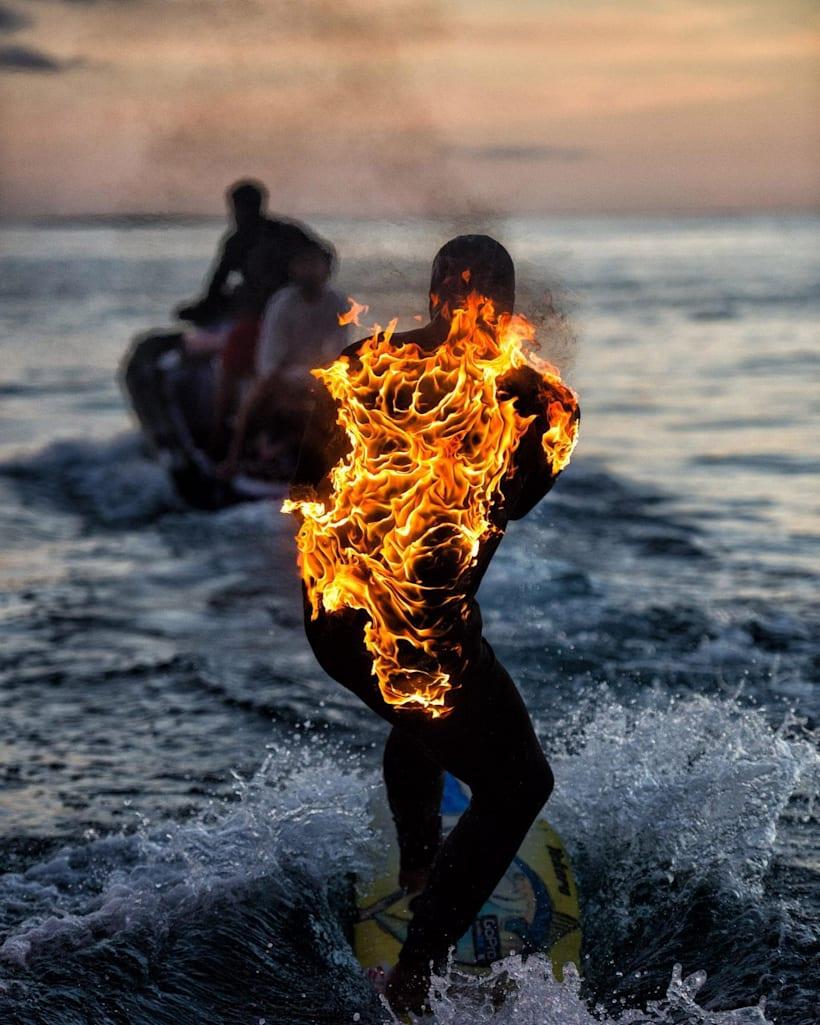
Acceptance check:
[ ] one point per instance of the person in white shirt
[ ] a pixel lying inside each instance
(300, 331)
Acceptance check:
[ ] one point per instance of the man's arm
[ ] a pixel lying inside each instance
(532, 477)
(258, 393)
(272, 345)
(323, 445)
(324, 442)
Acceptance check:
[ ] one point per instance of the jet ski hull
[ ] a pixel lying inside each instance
(172, 396)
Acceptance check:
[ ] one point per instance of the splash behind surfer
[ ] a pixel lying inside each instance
(482, 732)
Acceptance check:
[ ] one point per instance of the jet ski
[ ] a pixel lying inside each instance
(172, 396)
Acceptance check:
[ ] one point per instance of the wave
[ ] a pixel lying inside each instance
(672, 814)
(767, 462)
(200, 921)
(111, 481)
(535, 998)
(296, 813)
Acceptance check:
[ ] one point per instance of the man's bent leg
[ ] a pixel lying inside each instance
(414, 782)
(489, 743)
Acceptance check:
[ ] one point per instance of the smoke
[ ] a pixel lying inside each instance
(12, 20)
(329, 102)
(30, 59)
(334, 113)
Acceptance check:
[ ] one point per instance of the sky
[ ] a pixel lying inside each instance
(394, 107)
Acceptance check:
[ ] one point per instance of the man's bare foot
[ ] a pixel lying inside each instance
(407, 988)
(413, 880)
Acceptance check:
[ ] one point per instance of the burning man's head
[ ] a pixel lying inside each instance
(472, 263)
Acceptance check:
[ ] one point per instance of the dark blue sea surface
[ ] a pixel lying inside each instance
(184, 792)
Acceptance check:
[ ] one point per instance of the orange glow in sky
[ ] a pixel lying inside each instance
(392, 106)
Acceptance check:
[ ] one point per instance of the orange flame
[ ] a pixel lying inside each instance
(432, 435)
(353, 314)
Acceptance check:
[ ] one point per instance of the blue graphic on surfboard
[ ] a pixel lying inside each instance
(533, 908)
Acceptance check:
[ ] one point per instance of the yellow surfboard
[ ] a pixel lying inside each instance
(533, 908)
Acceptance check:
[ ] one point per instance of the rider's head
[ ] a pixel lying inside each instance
(310, 268)
(472, 263)
(247, 200)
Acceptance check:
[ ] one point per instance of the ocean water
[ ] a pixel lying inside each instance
(184, 792)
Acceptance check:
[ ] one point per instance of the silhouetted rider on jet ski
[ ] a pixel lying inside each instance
(253, 259)
(185, 385)
(246, 200)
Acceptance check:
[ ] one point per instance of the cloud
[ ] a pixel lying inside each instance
(12, 20)
(26, 58)
(565, 154)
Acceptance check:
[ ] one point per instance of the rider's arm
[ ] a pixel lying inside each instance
(227, 261)
(272, 346)
(257, 393)
(212, 302)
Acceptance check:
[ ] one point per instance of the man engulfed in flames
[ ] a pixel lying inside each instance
(433, 436)
(423, 447)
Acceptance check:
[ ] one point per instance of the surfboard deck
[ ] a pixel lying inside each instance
(534, 907)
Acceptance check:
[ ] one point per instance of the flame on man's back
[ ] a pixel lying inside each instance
(433, 434)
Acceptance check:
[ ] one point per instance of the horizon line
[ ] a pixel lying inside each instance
(168, 217)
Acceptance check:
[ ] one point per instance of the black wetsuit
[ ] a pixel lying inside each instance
(487, 740)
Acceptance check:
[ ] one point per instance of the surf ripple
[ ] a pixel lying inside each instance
(223, 919)
(678, 817)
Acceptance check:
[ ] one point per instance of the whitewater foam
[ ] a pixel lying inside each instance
(660, 808)
(111, 480)
(533, 997)
(298, 814)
